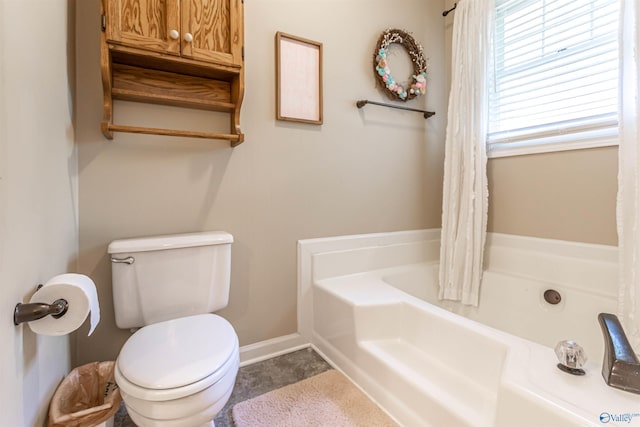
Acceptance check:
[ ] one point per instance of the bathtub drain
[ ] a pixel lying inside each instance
(552, 296)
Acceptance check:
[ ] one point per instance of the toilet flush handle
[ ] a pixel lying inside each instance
(127, 260)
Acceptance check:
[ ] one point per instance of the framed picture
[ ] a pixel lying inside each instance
(298, 79)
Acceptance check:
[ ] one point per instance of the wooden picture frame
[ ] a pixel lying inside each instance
(298, 79)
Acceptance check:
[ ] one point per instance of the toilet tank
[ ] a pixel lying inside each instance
(165, 277)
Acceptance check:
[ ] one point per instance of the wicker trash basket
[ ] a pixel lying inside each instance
(87, 397)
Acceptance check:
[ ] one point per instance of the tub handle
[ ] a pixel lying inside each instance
(571, 356)
(128, 260)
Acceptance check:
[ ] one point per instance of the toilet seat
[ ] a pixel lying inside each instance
(176, 358)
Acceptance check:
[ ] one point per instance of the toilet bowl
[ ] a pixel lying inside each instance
(179, 372)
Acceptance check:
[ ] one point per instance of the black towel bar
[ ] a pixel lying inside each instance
(364, 102)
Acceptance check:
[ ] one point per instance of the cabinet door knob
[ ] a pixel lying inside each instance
(174, 34)
(188, 37)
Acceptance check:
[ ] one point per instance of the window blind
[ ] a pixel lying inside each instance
(555, 72)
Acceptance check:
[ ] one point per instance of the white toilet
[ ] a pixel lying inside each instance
(179, 369)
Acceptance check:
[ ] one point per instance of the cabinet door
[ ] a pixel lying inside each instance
(145, 24)
(212, 30)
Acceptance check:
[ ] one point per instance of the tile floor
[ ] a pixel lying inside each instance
(259, 378)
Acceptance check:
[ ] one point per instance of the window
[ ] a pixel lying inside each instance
(555, 83)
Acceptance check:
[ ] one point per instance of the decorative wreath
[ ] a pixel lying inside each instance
(418, 83)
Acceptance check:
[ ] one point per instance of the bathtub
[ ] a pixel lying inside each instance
(368, 304)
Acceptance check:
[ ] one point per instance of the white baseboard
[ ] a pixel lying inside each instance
(267, 349)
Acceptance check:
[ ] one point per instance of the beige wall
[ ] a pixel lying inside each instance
(38, 230)
(362, 171)
(568, 195)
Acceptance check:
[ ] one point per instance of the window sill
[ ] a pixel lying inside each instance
(536, 147)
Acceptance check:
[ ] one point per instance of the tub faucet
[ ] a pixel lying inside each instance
(620, 367)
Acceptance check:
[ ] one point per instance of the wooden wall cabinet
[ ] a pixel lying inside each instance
(185, 53)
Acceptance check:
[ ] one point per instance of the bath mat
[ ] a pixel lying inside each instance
(326, 399)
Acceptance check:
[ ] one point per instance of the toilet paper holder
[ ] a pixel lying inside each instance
(26, 312)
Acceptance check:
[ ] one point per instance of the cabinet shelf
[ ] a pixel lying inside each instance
(176, 64)
(176, 101)
(161, 87)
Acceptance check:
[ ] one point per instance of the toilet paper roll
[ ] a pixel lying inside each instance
(80, 293)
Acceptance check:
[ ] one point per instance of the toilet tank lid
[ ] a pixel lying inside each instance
(170, 241)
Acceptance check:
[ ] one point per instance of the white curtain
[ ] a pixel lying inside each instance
(629, 176)
(464, 205)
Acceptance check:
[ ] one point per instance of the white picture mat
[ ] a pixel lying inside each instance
(299, 80)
